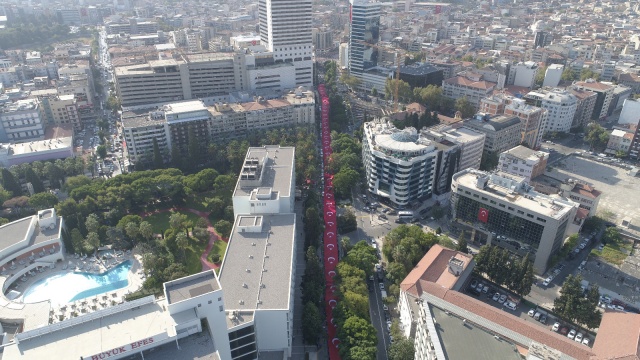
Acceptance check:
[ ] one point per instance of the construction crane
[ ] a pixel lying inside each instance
(399, 61)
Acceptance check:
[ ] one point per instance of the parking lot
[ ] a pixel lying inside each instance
(497, 296)
(619, 190)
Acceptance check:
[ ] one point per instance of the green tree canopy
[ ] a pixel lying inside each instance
(223, 227)
(465, 107)
(43, 200)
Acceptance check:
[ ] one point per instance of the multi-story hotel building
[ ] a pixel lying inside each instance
(246, 309)
(504, 210)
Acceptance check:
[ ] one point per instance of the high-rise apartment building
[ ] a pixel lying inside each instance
(365, 29)
(286, 30)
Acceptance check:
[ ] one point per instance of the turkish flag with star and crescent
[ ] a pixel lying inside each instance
(483, 215)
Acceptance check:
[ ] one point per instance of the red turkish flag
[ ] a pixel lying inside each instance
(483, 215)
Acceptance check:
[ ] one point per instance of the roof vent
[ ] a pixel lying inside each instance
(244, 285)
(253, 244)
(250, 256)
(248, 270)
(241, 302)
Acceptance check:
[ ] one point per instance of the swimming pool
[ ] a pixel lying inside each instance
(71, 286)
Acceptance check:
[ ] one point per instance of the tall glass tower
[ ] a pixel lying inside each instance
(365, 29)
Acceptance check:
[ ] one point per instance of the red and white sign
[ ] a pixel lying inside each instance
(483, 215)
(133, 347)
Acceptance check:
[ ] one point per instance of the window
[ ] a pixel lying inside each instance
(520, 212)
(220, 308)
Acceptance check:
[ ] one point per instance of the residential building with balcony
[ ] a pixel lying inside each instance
(524, 162)
(604, 96)
(470, 86)
(560, 105)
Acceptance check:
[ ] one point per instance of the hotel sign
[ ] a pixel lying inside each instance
(128, 349)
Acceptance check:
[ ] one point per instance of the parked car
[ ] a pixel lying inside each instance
(579, 337)
(381, 286)
(502, 299)
(531, 312)
(537, 315)
(543, 319)
(572, 334)
(564, 330)
(485, 289)
(585, 341)
(474, 283)
(382, 217)
(510, 305)
(555, 327)
(496, 296)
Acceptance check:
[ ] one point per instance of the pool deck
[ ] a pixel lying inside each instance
(34, 315)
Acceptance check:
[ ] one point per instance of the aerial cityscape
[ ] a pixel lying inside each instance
(319, 180)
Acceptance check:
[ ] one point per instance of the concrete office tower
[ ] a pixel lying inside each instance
(365, 29)
(505, 211)
(553, 75)
(286, 30)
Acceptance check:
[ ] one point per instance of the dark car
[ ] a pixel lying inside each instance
(564, 330)
(400, 221)
(382, 216)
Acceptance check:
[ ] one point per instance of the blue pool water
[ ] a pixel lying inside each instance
(72, 286)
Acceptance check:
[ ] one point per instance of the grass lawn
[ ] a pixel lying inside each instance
(219, 247)
(192, 254)
(160, 221)
(610, 254)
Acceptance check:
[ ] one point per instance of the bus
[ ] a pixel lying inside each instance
(405, 215)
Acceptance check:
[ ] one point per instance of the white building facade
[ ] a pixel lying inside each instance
(400, 164)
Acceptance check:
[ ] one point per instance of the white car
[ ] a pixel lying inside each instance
(585, 341)
(572, 334)
(578, 337)
(381, 286)
(555, 327)
(502, 299)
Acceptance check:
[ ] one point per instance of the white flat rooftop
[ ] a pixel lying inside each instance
(256, 272)
(94, 337)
